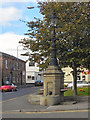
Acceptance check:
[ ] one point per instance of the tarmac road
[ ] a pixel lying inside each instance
(54, 114)
(16, 105)
(18, 99)
(20, 92)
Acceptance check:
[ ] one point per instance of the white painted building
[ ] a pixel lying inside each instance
(32, 72)
(68, 77)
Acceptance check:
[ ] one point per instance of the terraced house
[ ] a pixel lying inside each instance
(12, 69)
(83, 75)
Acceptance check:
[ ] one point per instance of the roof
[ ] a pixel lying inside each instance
(11, 56)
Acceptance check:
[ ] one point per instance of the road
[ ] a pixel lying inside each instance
(18, 100)
(14, 102)
(54, 114)
(20, 92)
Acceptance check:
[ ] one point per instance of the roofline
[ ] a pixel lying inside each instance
(11, 56)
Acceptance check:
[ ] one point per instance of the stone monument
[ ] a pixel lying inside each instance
(53, 76)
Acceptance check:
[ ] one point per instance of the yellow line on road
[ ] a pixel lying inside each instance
(57, 111)
(12, 99)
(17, 112)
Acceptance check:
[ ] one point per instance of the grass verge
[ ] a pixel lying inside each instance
(84, 91)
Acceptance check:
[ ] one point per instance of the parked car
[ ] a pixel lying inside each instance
(80, 83)
(39, 83)
(8, 87)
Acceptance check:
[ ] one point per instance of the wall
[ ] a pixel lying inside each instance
(69, 78)
(32, 73)
(68, 75)
(13, 70)
(0, 69)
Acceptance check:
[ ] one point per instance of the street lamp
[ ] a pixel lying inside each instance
(54, 20)
(17, 50)
(53, 75)
(18, 61)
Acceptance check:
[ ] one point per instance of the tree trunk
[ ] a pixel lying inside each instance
(75, 79)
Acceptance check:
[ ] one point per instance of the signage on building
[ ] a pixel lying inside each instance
(86, 72)
(13, 68)
(23, 73)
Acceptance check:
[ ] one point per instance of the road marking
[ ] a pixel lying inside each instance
(57, 111)
(17, 112)
(12, 99)
(8, 100)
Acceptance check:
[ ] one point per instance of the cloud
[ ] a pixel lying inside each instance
(9, 14)
(45, 0)
(3, 1)
(9, 44)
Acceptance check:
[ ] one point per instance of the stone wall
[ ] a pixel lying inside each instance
(11, 71)
(53, 81)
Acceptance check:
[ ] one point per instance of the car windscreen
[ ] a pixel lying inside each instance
(79, 82)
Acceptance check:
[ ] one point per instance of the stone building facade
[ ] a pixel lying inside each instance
(68, 77)
(12, 70)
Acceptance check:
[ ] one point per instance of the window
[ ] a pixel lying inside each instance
(32, 77)
(29, 77)
(17, 65)
(23, 66)
(83, 77)
(85, 82)
(31, 63)
(6, 63)
(78, 78)
(79, 82)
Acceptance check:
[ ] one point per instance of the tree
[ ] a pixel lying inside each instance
(72, 36)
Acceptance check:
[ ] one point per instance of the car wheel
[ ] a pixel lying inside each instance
(15, 89)
(2, 90)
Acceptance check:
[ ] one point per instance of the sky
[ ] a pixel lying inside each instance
(12, 30)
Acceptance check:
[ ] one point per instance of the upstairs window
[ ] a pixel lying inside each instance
(6, 64)
(78, 78)
(31, 64)
(33, 77)
(29, 77)
(83, 77)
(17, 66)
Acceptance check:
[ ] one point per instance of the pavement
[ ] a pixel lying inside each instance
(69, 106)
(65, 106)
(82, 104)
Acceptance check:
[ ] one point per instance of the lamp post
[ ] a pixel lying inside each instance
(17, 50)
(53, 19)
(18, 62)
(17, 57)
(53, 76)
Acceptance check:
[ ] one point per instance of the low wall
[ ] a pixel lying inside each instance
(54, 100)
(76, 98)
(44, 100)
(34, 99)
(50, 100)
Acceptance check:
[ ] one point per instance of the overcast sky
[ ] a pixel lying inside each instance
(12, 29)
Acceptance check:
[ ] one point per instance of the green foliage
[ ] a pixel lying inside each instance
(85, 91)
(72, 34)
(69, 92)
(65, 86)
